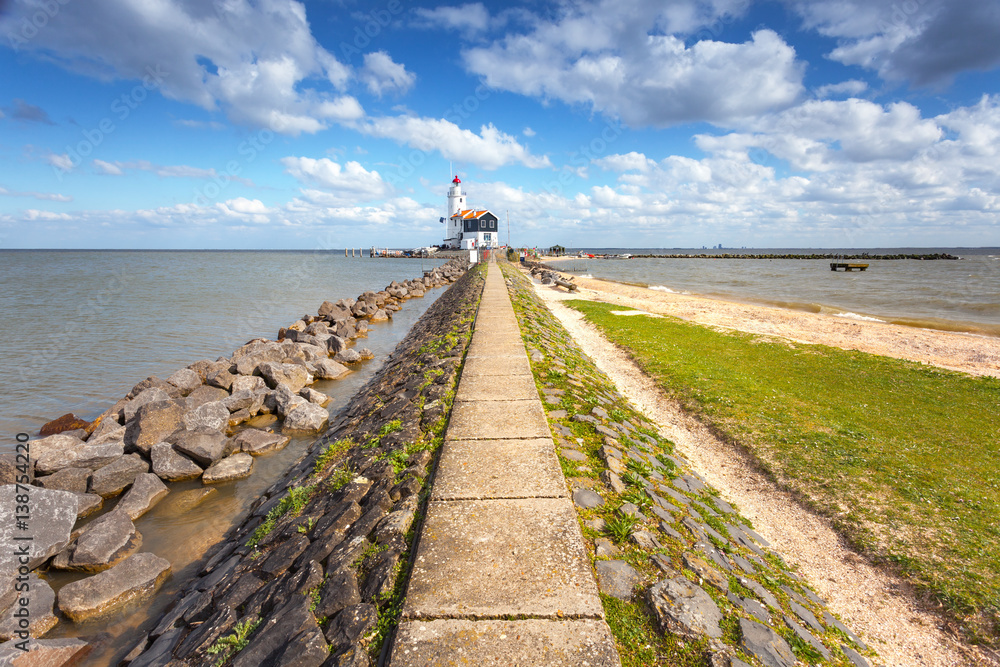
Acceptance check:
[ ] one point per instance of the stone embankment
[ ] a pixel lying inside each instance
(315, 574)
(664, 545)
(208, 421)
(827, 256)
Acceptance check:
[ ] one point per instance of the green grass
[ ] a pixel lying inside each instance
(293, 503)
(228, 646)
(903, 456)
(334, 451)
(640, 644)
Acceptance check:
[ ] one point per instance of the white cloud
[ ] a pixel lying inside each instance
(632, 161)
(253, 60)
(850, 88)
(473, 17)
(62, 162)
(382, 75)
(623, 59)
(528, 132)
(107, 168)
(339, 184)
(42, 196)
(489, 149)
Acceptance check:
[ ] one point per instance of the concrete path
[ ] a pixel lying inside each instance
(501, 576)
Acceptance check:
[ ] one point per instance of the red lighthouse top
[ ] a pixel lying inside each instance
(457, 180)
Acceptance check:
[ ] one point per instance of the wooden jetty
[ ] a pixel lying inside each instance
(847, 266)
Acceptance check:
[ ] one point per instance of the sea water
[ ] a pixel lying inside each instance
(955, 295)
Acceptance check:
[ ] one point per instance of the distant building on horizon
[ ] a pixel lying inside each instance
(468, 228)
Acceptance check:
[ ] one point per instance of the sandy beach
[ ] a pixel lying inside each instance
(968, 353)
(882, 606)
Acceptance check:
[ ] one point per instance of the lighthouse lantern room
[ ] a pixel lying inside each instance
(468, 228)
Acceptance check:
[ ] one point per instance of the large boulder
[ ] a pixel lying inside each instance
(332, 312)
(103, 543)
(81, 456)
(113, 478)
(765, 644)
(53, 443)
(146, 491)
(153, 382)
(214, 415)
(53, 514)
(231, 468)
(285, 400)
(134, 578)
(186, 380)
(244, 399)
(172, 466)
(37, 614)
(251, 383)
(256, 442)
(204, 394)
(307, 417)
(292, 375)
(684, 608)
(617, 578)
(146, 396)
(43, 652)
(328, 369)
(204, 445)
(67, 479)
(347, 356)
(153, 422)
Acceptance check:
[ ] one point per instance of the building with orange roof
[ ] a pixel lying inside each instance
(468, 228)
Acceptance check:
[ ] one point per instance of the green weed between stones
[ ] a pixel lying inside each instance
(292, 503)
(386, 429)
(334, 451)
(901, 456)
(228, 646)
(632, 626)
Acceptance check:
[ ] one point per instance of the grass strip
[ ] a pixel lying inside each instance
(903, 456)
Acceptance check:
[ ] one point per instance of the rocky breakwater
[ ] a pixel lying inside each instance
(666, 547)
(208, 420)
(316, 572)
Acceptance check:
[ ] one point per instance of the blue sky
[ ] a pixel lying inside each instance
(607, 123)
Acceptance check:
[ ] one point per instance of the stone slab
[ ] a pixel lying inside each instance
(527, 643)
(481, 469)
(494, 366)
(492, 420)
(490, 558)
(485, 387)
(496, 346)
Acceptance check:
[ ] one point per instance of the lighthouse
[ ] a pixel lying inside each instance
(468, 228)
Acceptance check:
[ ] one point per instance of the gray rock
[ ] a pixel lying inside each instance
(222, 379)
(204, 445)
(44, 652)
(645, 540)
(763, 594)
(171, 466)
(285, 400)
(806, 616)
(613, 481)
(186, 380)
(114, 434)
(289, 637)
(807, 637)
(81, 456)
(616, 578)
(328, 369)
(395, 524)
(257, 442)
(67, 479)
(39, 617)
(204, 394)
(307, 417)
(292, 375)
(251, 383)
(313, 396)
(87, 504)
(146, 491)
(765, 644)
(587, 499)
(572, 454)
(213, 415)
(145, 397)
(102, 544)
(856, 658)
(751, 606)
(134, 578)
(706, 572)
(110, 480)
(53, 514)
(347, 356)
(9, 473)
(683, 608)
(244, 400)
(231, 468)
(603, 548)
(152, 424)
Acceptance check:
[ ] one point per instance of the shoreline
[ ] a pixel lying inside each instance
(882, 606)
(969, 353)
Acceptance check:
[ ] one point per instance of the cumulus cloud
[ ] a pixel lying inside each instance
(338, 184)
(258, 61)
(630, 60)
(849, 88)
(472, 17)
(920, 41)
(382, 75)
(489, 149)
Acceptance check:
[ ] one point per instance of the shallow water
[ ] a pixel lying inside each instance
(962, 295)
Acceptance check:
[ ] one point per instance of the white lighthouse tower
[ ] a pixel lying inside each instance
(456, 204)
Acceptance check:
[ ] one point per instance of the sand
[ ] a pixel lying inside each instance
(879, 606)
